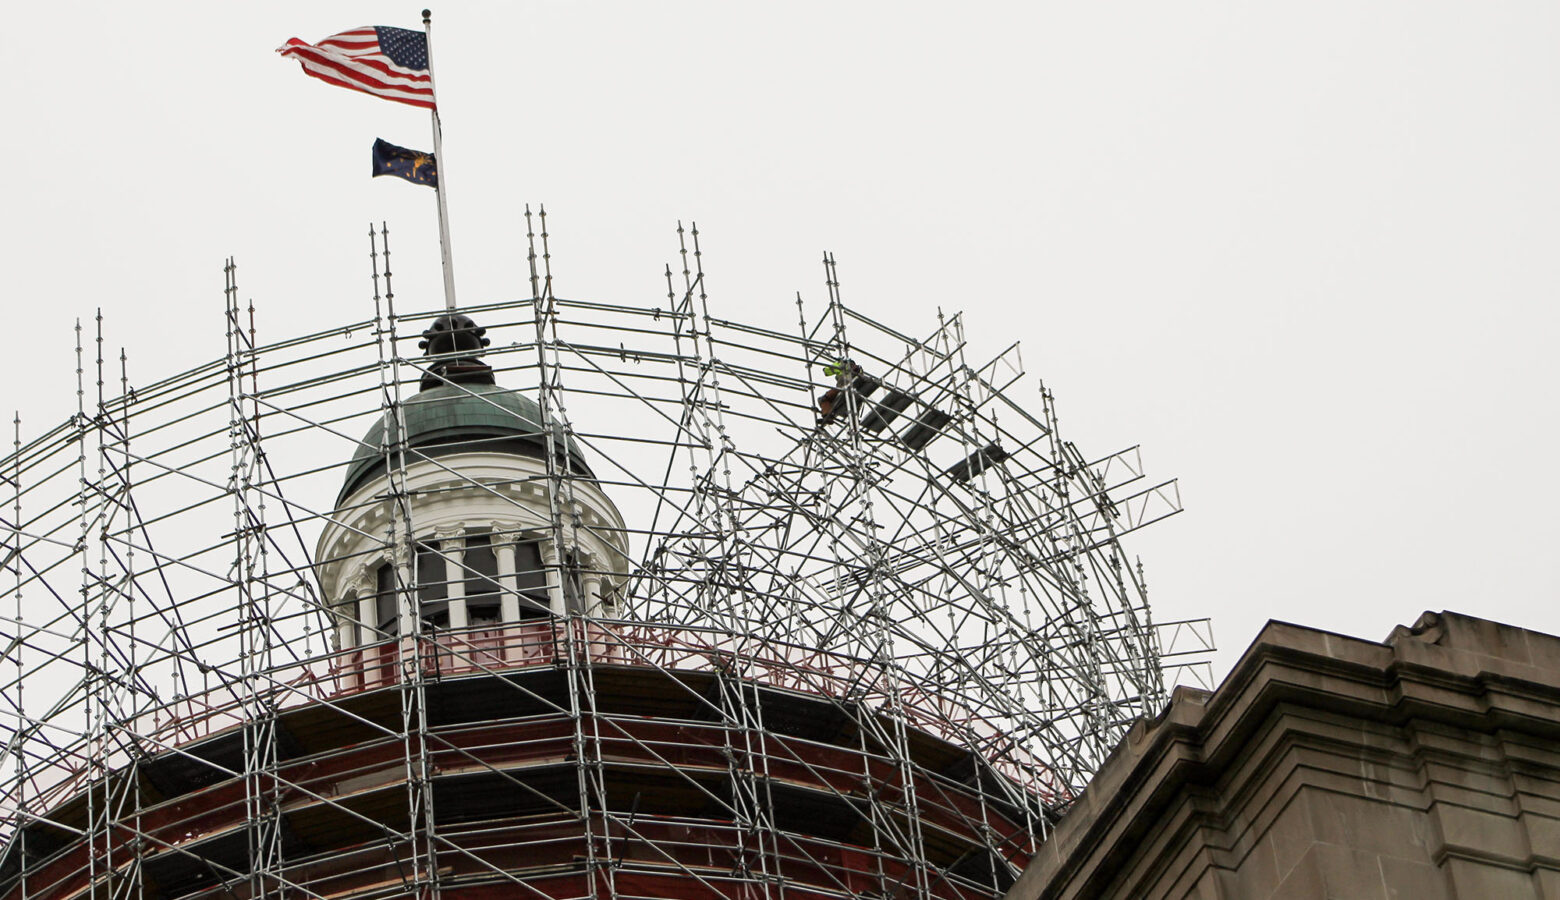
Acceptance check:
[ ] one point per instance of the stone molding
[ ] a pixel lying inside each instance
(1426, 766)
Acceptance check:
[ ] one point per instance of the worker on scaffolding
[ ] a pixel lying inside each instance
(845, 372)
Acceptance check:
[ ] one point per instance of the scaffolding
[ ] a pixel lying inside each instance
(866, 626)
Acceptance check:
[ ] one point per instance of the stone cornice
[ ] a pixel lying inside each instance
(1205, 761)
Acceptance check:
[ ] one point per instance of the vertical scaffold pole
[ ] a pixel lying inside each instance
(723, 591)
(21, 739)
(256, 657)
(561, 564)
(96, 835)
(906, 839)
(412, 643)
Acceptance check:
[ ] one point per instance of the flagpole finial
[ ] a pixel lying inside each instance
(427, 16)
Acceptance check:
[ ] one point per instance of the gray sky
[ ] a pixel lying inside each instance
(1302, 253)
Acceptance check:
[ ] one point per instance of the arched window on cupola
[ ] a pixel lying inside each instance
(433, 585)
(386, 606)
(483, 591)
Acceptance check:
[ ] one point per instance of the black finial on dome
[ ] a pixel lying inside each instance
(456, 342)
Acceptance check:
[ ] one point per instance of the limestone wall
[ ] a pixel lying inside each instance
(1426, 767)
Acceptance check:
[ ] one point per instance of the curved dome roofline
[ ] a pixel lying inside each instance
(460, 418)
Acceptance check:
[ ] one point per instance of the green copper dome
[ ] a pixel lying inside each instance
(459, 419)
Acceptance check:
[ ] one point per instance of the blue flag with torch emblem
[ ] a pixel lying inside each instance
(413, 165)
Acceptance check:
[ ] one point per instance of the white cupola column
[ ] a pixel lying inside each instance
(367, 614)
(550, 563)
(590, 584)
(405, 590)
(353, 631)
(508, 575)
(452, 551)
(351, 617)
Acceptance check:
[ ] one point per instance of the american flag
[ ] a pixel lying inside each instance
(387, 62)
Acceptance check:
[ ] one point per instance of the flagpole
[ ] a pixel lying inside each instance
(439, 186)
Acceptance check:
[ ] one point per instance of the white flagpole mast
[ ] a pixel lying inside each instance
(439, 187)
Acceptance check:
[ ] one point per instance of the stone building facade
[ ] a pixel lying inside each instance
(1425, 767)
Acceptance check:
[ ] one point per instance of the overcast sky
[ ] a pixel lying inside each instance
(1304, 253)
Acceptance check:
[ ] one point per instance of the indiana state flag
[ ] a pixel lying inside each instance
(413, 165)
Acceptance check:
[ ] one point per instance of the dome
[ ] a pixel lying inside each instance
(460, 419)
